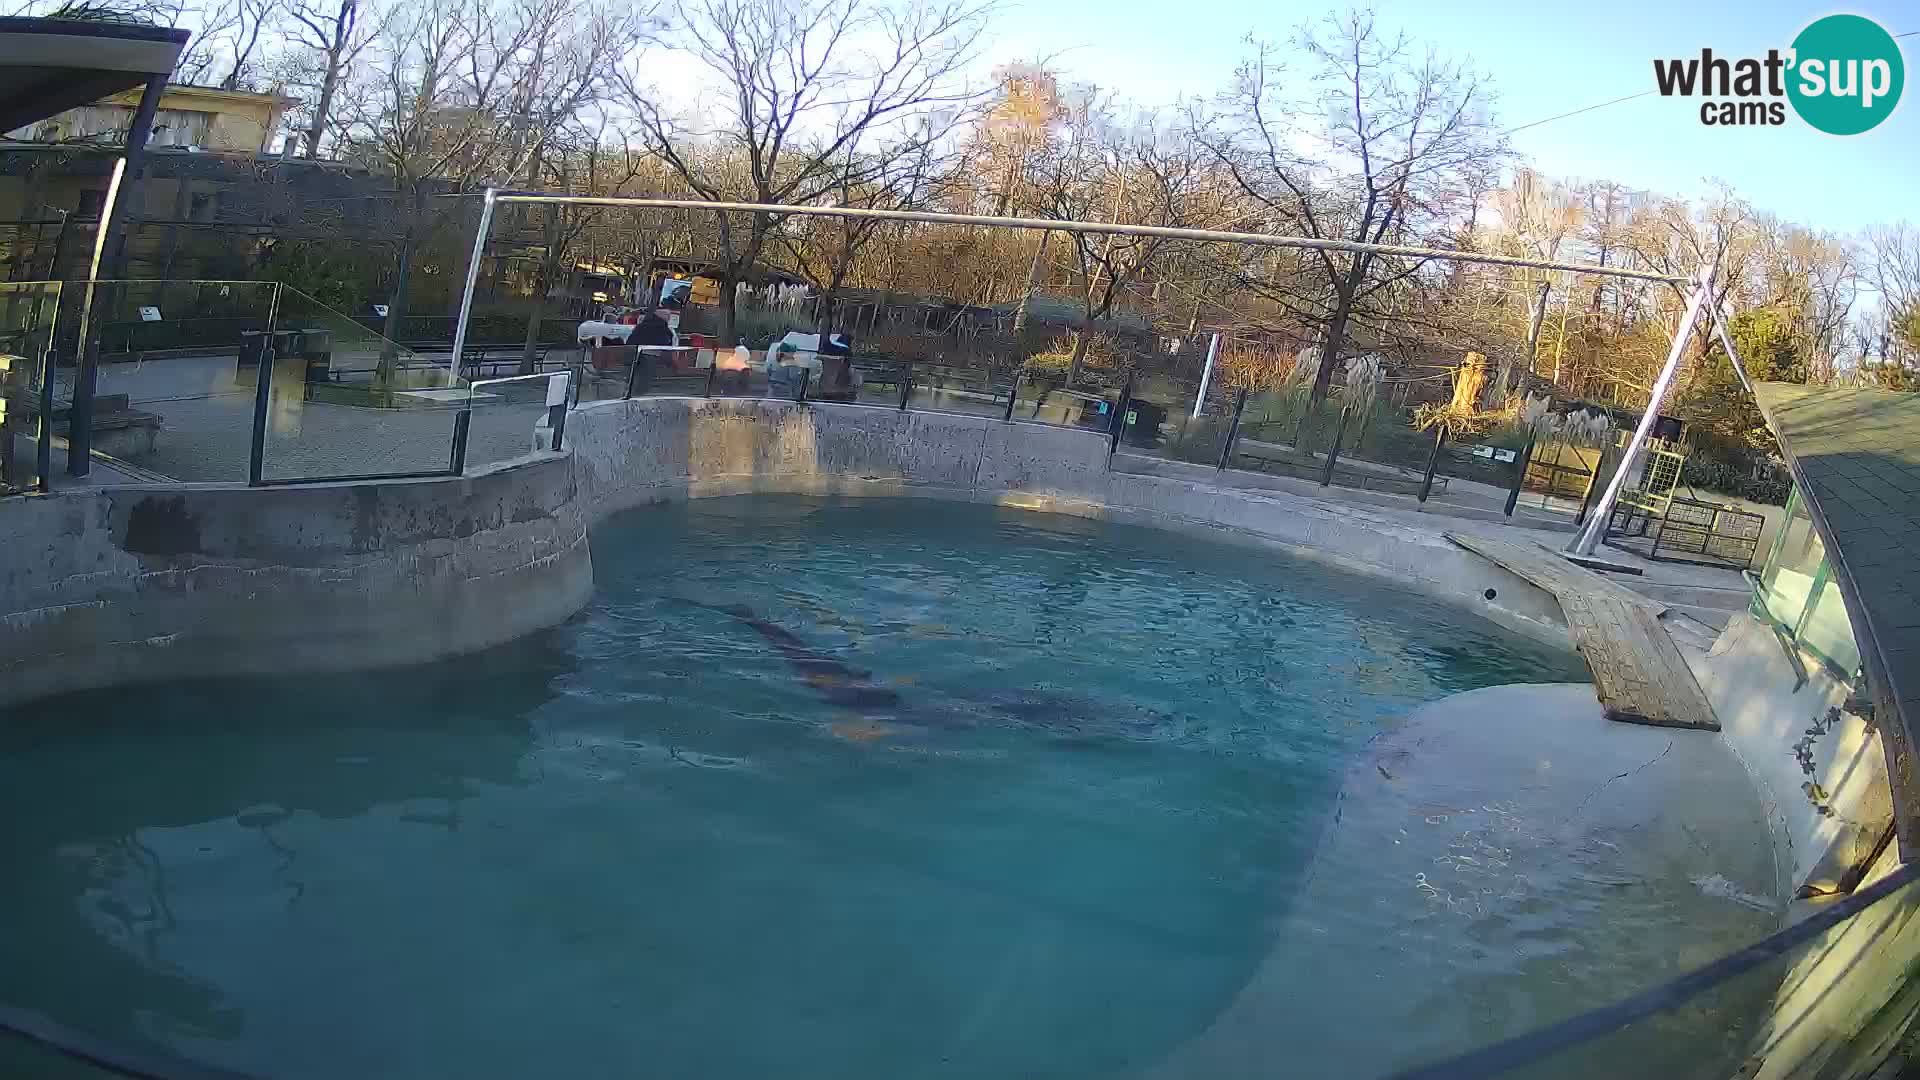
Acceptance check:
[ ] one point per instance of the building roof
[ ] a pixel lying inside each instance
(48, 66)
(1856, 457)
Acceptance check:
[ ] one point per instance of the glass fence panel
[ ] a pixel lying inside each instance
(1825, 628)
(1160, 422)
(178, 368)
(509, 417)
(967, 391)
(28, 311)
(649, 371)
(347, 402)
(1045, 400)
(740, 373)
(879, 381)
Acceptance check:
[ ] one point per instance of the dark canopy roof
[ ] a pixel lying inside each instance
(1856, 457)
(50, 65)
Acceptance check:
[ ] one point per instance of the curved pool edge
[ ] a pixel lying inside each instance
(116, 585)
(631, 453)
(1535, 772)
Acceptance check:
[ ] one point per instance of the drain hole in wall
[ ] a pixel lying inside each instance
(1489, 594)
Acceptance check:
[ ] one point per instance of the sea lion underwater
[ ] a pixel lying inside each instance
(842, 685)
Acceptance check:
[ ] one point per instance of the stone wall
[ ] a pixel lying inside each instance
(630, 453)
(1827, 823)
(103, 586)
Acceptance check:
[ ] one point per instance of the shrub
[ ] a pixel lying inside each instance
(1762, 482)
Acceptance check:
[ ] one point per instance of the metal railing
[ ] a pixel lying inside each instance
(245, 382)
(868, 381)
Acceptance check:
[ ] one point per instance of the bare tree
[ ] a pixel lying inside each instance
(803, 82)
(1893, 271)
(824, 251)
(1140, 176)
(1374, 151)
(335, 34)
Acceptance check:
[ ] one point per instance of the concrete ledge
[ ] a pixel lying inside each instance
(649, 450)
(118, 585)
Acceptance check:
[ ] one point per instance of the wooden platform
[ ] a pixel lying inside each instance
(1638, 670)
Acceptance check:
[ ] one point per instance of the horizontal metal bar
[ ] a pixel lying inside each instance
(355, 479)
(1557, 1037)
(1101, 227)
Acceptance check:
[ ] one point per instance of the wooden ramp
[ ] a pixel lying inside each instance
(1641, 676)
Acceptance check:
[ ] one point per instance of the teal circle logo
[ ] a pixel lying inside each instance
(1847, 74)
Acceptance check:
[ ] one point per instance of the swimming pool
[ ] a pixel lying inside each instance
(813, 789)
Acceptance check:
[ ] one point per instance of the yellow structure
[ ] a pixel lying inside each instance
(202, 117)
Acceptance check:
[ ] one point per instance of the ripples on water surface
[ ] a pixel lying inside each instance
(639, 846)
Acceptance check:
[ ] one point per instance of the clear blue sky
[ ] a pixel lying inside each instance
(1546, 58)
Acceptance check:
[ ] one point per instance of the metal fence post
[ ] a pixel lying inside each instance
(1599, 466)
(1333, 452)
(712, 370)
(800, 394)
(633, 373)
(906, 385)
(1233, 430)
(43, 454)
(1519, 475)
(262, 397)
(263, 393)
(1118, 425)
(458, 464)
(1433, 460)
(1013, 392)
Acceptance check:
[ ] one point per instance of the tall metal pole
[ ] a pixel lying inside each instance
(473, 276)
(1587, 541)
(112, 240)
(1206, 373)
(87, 366)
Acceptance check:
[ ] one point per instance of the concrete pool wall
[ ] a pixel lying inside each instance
(111, 585)
(104, 586)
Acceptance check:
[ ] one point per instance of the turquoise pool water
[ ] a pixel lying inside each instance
(813, 790)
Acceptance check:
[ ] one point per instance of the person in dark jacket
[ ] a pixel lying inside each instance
(653, 330)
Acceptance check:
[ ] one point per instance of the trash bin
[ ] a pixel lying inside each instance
(252, 344)
(1143, 423)
(316, 347)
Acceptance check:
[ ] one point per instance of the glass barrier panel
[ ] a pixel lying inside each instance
(1786, 581)
(347, 402)
(1160, 423)
(662, 371)
(1824, 627)
(509, 417)
(740, 373)
(879, 381)
(28, 311)
(967, 391)
(1044, 399)
(178, 368)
